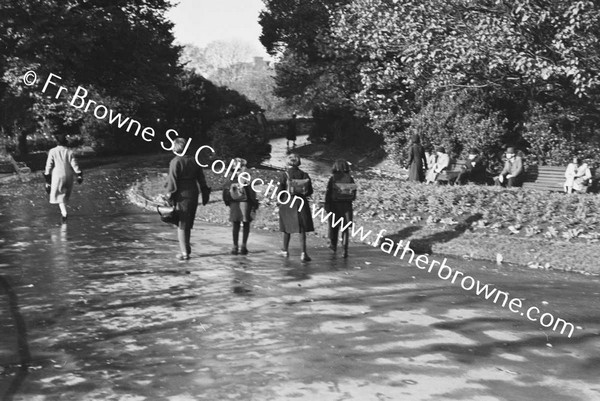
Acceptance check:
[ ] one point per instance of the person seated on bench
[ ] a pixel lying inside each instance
(473, 170)
(442, 160)
(512, 174)
(578, 176)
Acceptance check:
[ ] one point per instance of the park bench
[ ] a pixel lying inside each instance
(547, 178)
(451, 172)
(9, 165)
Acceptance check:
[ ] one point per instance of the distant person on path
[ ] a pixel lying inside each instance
(292, 131)
(417, 163)
(578, 176)
(185, 181)
(341, 191)
(293, 218)
(512, 174)
(473, 170)
(242, 204)
(61, 167)
(442, 161)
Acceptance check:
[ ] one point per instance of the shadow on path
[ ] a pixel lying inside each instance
(22, 344)
(424, 245)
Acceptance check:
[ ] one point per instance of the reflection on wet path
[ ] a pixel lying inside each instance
(110, 315)
(279, 154)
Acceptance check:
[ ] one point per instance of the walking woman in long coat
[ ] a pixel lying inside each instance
(417, 163)
(61, 168)
(184, 183)
(295, 217)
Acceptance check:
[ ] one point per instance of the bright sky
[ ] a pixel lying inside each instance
(202, 21)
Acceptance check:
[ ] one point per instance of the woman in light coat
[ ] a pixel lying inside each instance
(61, 168)
(442, 160)
(578, 176)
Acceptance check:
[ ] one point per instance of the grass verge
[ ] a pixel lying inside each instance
(533, 229)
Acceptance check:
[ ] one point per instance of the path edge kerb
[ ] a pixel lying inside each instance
(134, 195)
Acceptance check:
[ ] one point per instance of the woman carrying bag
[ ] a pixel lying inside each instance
(295, 217)
(184, 183)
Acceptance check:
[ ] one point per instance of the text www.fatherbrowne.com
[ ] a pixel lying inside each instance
(445, 272)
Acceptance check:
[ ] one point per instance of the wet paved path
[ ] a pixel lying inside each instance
(103, 312)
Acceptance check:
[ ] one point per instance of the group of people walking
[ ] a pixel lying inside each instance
(186, 181)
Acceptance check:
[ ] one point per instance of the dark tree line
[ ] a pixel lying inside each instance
(122, 51)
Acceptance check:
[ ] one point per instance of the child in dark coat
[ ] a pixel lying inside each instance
(242, 204)
(339, 206)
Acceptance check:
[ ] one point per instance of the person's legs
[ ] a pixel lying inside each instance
(245, 235)
(63, 208)
(513, 182)
(236, 236)
(188, 237)
(63, 211)
(462, 178)
(182, 238)
(346, 234)
(304, 257)
(333, 234)
(286, 242)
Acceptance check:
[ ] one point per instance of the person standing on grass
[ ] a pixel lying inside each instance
(61, 168)
(292, 131)
(185, 181)
(340, 193)
(242, 204)
(417, 162)
(295, 217)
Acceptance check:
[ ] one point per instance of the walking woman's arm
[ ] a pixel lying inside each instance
(48, 169)
(75, 167)
(328, 194)
(172, 179)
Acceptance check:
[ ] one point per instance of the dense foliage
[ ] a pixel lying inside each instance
(515, 70)
(240, 137)
(307, 76)
(122, 52)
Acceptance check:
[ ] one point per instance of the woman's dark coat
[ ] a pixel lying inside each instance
(184, 182)
(292, 219)
(417, 163)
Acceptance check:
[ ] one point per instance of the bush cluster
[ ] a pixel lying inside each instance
(240, 137)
